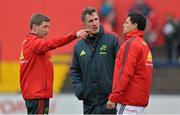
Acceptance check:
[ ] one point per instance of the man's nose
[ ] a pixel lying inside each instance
(94, 22)
(47, 29)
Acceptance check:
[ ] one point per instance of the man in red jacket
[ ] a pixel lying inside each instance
(133, 69)
(36, 68)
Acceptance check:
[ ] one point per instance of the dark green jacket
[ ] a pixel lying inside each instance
(92, 70)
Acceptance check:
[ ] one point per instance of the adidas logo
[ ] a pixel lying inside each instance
(82, 53)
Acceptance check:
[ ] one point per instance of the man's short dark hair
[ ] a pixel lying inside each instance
(88, 10)
(139, 19)
(37, 19)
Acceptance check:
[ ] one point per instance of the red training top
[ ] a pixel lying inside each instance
(133, 72)
(36, 68)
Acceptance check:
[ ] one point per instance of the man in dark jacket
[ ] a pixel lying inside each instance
(93, 65)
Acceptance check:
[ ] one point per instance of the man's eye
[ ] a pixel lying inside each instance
(91, 21)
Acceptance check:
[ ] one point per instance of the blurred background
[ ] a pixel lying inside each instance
(162, 35)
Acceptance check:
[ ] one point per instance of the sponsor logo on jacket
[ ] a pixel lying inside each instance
(149, 60)
(82, 53)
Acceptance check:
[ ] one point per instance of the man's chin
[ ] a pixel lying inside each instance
(125, 32)
(95, 32)
(45, 36)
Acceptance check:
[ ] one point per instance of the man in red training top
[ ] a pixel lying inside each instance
(133, 69)
(36, 68)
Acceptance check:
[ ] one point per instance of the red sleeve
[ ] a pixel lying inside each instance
(43, 45)
(124, 69)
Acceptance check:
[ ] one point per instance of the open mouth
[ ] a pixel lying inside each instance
(95, 28)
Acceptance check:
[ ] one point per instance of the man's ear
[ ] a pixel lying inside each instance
(34, 26)
(83, 25)
(135, 26)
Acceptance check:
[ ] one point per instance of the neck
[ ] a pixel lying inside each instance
(135, 33)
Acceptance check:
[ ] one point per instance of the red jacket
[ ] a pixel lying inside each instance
(36, 68)
(133, 72)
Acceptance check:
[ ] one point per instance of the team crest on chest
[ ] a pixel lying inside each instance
(103, 49)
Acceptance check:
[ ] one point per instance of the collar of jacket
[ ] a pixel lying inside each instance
(32, 35)
(135, 33)
(101, 32)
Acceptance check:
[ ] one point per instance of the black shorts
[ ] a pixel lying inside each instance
(37, 106)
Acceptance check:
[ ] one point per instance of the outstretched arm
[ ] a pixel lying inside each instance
(43, 45)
